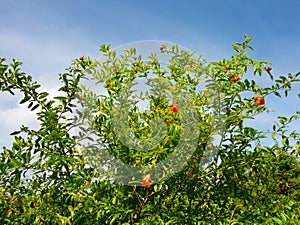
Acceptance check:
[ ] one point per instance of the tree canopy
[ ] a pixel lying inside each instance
(91, 161)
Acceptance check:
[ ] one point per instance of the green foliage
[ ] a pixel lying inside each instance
(247, 183)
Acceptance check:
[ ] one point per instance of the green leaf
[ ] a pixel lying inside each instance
(25, 99)
(34, 107)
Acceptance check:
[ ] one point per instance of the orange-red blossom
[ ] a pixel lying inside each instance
(146, 181)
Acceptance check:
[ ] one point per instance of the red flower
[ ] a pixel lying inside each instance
(175, 107)
(146, 181)
(227, 69)
(146, 184)
(9, 213)
(234, 78)
(169, 122)
(259, 100)
(269, 68)
(191, 64)
(81, 58)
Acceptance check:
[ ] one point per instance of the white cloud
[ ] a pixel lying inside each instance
(11, 120)
(13, 115)
(43, 58)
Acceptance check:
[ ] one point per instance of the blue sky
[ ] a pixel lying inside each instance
(47, 35)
